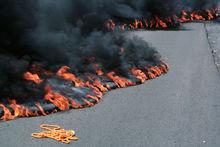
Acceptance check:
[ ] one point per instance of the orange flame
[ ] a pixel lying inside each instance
(211, 12)
(119, 81)
(151, 75)
(98, 70)
(95, 89)
(69, 76)
(41, 109)
(57, 99)
(137, 24)
(74, 104)
(7, 114)
(160, 23)
(32, 77)
(89, 104)
(93, 83)
(139, 74)
(156, 70)
(163, 23)
(18, 111)
(92, 97)
(99, 85)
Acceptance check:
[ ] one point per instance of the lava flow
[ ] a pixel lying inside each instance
(97, 83)
(157, 22)
(59, 55)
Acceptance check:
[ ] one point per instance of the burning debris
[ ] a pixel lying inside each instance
(59, 55)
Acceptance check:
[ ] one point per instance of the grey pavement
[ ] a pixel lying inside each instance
(213, 33)
(180, 109)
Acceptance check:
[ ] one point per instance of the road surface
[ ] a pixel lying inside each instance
(213, 34)
(180, 109)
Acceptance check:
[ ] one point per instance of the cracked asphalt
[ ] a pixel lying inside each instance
(179, 109)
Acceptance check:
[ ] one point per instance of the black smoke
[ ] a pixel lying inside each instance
(67, 32)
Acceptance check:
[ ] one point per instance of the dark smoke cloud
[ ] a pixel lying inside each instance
(65, 32)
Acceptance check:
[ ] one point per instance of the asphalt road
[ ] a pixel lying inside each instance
(213, 32)
(180, 109)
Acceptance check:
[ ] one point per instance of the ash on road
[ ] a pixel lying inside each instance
(180, 109)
